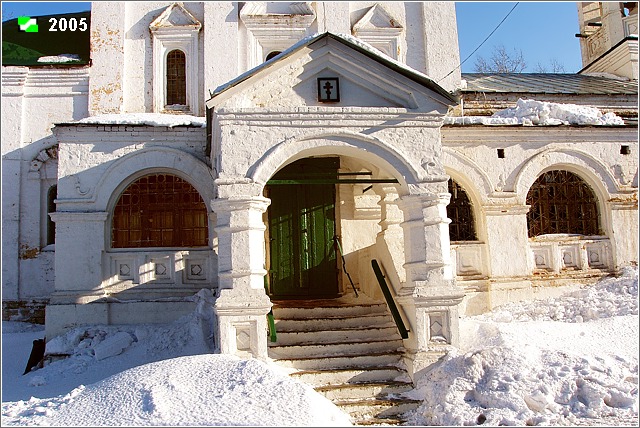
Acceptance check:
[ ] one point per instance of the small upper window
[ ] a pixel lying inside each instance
(176, 78)
(272, 54)
(175, 41)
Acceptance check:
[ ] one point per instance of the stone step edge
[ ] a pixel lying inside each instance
(325, 305)
(363, 384)
(300, 316)
(350, 342)
(335, 342)
(350, 356)
(358, 328)
(374, 421)
(348, 369)
(391, 401)
(304, 316)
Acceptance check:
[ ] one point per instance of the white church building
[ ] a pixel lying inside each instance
(270, 151)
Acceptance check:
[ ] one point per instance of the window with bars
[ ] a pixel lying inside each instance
(159, 210)
(176, 78)
(52, 194)
(561, 202)
(459, 210)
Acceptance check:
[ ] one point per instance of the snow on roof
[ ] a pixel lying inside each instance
(152, 119)
(531, 112)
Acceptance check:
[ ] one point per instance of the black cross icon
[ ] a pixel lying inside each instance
(328, 87)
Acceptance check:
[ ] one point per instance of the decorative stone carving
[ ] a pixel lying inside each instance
(379, 29)
(433, 166)
(43, 156)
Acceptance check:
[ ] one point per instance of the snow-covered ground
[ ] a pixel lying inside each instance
(571, 360)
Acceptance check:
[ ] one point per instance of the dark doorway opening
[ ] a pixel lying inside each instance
(302, 230)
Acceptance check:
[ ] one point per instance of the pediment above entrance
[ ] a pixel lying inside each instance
(332, 71)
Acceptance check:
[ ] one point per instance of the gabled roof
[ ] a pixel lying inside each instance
(548, 83)
(355, 44)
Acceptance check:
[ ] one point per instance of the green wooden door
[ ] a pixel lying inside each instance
(302, 252)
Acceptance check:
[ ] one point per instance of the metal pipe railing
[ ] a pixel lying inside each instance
(404, 333)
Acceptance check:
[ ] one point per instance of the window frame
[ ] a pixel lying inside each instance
(156, 212)
(462, 202)
(166, 37)
(182, 92)
(548, 219)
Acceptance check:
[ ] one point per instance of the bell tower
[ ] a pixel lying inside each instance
(609, 38)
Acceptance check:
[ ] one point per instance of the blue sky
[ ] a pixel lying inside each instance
(543, 31)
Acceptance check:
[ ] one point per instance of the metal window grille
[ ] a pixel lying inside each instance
(176, 78)
(459, 210)
(159, 210)
(561, 202)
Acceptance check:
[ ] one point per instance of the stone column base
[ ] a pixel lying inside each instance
(242, 322)
(418, 363)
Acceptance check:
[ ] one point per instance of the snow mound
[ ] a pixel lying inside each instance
(610, 297)
(200, 390)
(20, 327)
(531, 112)
(553, 362)
(509, 386)
(152, 119)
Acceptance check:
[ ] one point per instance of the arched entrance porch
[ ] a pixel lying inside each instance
(399, 220)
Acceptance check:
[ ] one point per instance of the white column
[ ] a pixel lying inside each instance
(242, 304)
(508, 240)
(390, 239)
(80, 241)
(430, 296)
(624, 218)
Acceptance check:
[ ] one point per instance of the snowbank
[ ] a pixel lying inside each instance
(200, 390)
(561, 361)
(570, 360)
(152, 375)
(531, 112)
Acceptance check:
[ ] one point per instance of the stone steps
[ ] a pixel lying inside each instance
(348, 350)
(353, 335)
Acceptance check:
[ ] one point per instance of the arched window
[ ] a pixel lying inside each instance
(52, 194)
(561, 202)
(272, 54)
(159, 210)
(176, 78)
(462, 226)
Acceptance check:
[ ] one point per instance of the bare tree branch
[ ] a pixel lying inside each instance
(503, 61)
